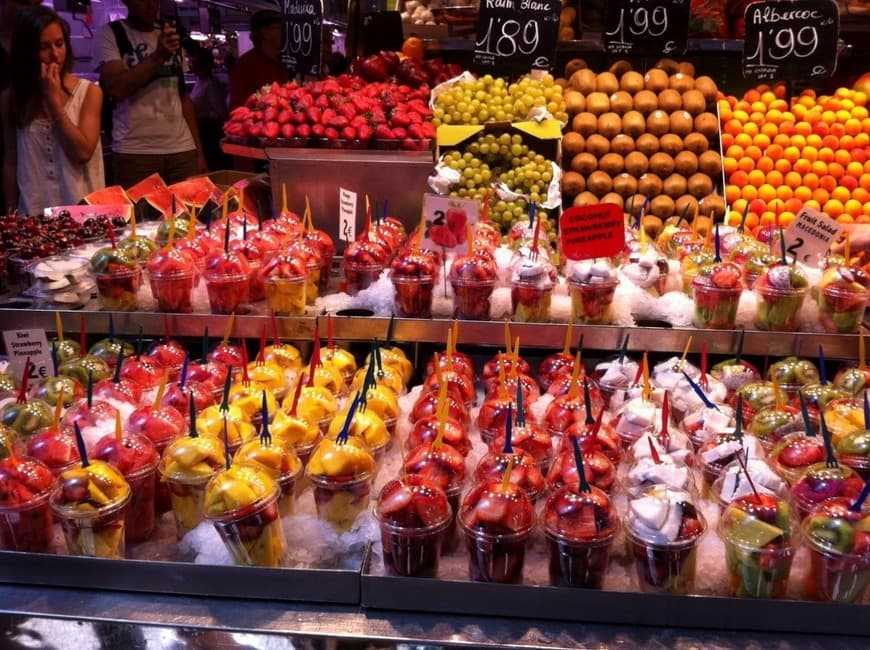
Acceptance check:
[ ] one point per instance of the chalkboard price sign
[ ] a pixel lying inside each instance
(515, 36)
(646, 27)
(301, 36)
(790, 39)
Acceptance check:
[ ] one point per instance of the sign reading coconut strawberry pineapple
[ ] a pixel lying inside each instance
(447, 223)
(515, 36)
(591, 231)
(651, 27)
(301, 36)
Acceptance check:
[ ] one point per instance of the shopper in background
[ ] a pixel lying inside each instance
(51, 119)
(209, 96)
(260, 65)
(154, 122)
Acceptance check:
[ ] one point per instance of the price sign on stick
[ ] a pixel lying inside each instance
(515, 36)
(592, 231)
(447, 223)
(28, 344)
(347, 214)
(301, 36)
(810, 235)
(790, 39)
(652, 27)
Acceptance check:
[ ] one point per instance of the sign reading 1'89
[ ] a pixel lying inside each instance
(301, 36)
(516, 36)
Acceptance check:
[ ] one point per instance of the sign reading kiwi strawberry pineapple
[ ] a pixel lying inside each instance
(515, 36)
(447, 221)
(646, 27)
(790, 39)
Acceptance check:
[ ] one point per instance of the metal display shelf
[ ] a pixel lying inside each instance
(482, 333)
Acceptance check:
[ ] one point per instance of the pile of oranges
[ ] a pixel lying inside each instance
(780, 156)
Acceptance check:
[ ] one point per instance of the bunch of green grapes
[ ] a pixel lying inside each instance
(527, 93)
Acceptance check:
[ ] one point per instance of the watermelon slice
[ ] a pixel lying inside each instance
(151, 198)
(113, 195)
(200, 193)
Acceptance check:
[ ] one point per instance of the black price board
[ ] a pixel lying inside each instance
(516, 36)
(790, 39)
(301, 37)
(646, 27)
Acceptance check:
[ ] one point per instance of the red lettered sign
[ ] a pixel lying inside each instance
(592, 231)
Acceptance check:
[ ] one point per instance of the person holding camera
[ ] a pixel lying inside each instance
(154, 126)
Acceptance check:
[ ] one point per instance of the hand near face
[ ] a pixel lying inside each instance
(169, 42)
(52, 88)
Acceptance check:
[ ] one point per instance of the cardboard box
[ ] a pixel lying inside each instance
(546, 136)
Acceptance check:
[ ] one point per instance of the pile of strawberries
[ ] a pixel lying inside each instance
(344, 108)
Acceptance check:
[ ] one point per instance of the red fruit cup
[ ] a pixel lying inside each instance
(838, 539)
(565, 411)
(531, 391)
(580, 528)
(552, 367)
(493, 415)
(444, 468)
(359, 276)
(531, 439)
(425, 430)
(471, 298)
(340, 500)
(531, 296)
(841, 308)
(25, 519)
(592, 302)
(792, 455)
(226, 292)
(525, 473)
(491, 373)
(56, 449)
(414, 516)
(599, 470)
(118, 290)
(607, 440)
(715, 307)
(413, 298)
(820, 482)
(497, 521)
(172, 291)
(427, 405)
(458, 384)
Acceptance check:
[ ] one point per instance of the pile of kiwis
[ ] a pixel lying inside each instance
(632, 135)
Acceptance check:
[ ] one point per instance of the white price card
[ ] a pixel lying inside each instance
(810, 236)
(21, 344)
(347, 214)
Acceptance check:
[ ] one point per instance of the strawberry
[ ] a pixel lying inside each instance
(415, 117)
(442, 236)
(327, 116)
(383, 132)
(303, 131)
(270, 114)
(322, 102)
(358, 121)
(417, 132)
(331, 133)
(317, 130)
(400, 120)
(299, 118)
(254, 129)
(338, 122)
(399, 133)
(284, 117)
(364, 132)
(271, 130)
(348, 133)
(287, 131)
(347, 111)
(314, 115)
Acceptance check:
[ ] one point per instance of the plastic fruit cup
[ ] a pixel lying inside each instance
(118, 290)
(256, 290)
(340, 501)
(139, 518)
(757, 572)
(412, 551)
(188, 501)
(288, 484)
(592, 303)
(413, 296)
(778, 309)
(253, 534)
(841, 310)
(494, 557)
(715, 308)
(226, 293)
(94, 533)
(530, 303)
(471, 300)
(172, 291)
(360, 276)
(27, 527)
(798, 452)
(312, 281)
(286, 296)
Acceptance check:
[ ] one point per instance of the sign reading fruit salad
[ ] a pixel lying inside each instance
(301, 36)
(447, 223)
(790, 39)
(646, 27)
(515, 36)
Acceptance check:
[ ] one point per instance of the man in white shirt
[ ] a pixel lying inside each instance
(154, 122)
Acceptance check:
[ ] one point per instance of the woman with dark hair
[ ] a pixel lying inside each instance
(51, 119)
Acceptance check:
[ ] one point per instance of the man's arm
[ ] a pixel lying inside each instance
(120, 82)
(189, 113)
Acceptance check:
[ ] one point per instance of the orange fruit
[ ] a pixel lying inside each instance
(828, 182)
(836, 170)
(414, 48)
(729, 165)
(753, 152)
(782, 166)
(810, 153)
(732, 193)
(860, 194)
(764, 163)
(811, 180)
(853, 126)
(786, 218)
(770, 130)
(749, 192)
(766, 193)
(774, 178)
(845, 218)
(820, 168)
(782, 140)
(743, 140)
(842, 157)
(864, 180)
(821, 196)
(801, 166)
(832, 208)
(803, 193)
(814, 140)
(757, 206)
(761, 141)
(793, 204)
(855, 169)
(812, 203)
(751, 128)
(841, 194)
(826, 154)
(853, 207)
(756, 178)
(792, 180)
(784, 193)
(774, 151)
(746, 164)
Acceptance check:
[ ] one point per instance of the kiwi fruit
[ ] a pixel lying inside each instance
(583, 81)
(668, 65)
(584, 163)
(655, 80)
(680, 123)
(693, 101)
(625, 184)
(584, 123)
(647, 144)
(623, 144)
(661, 164)
(573, 183)
(572, 144)
(597, 145)
(621, 102)
(620, 67)
(611, 163)
(707, 124)
(636, 164)
(670, 100)
(712, 204)
(686, 68)
(685, 162)
(575, 101)
(633, 123)
(614, 198)
(707, 87)
(573, 66)
(597, 102)
(599, 183)
(710, 163)
(697, 143)
(585, 198)
(699, 185)
(634, 204)
(609, 124)
(631, 82)
(645, 102)
(658, 123)
(681, 82)
(607, 83)
(688, 205)
(671, 144)
(662, 206)
(652, 225)
(649, 185)
(674, 186)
